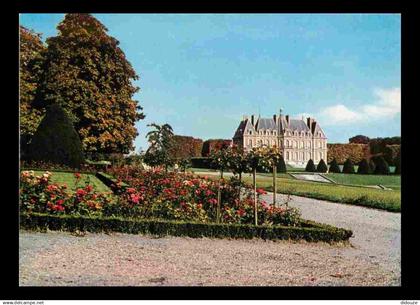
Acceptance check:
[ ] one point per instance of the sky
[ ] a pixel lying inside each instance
(201, 73)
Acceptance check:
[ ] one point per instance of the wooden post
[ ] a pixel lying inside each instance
(274, 184)
(219, 198)
(254, 180)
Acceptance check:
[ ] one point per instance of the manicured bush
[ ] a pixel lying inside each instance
(372, 165)
(308, 230)
(281, 167)
(364, 167)
(398, 164)
(56, 140)
(202, 162)
(381, 166)
(310, 166)
(322, 167)
(334, 168)
(348, 167)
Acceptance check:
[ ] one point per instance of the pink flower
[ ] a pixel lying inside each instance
(131, 190)
(261, 192)
(77, 175)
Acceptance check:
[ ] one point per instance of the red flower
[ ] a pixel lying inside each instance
(131, 190)
(88, 188)
(60, 202)
(261, 192)
(81, 192)
(77, 175)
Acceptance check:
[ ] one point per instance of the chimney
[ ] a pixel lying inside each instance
(275, 118)
(245, 117)
(287, 119)
(252, 120)
(309, 122)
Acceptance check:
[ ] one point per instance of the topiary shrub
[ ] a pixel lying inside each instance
(310, 166)
(381, 166)
(281, 166)
(56, 140)
(334, 168)
(322, 167)
(372, 166)
(348, 167)
(364, 167)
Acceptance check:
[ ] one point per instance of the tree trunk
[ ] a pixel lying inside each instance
(274, 184)
(240, 181)
(254, 180)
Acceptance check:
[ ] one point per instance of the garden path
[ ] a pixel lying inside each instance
(376, 233)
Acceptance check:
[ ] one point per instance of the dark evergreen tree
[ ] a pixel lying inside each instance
(310, 166)
(334, 168)
(56, 140)
(322, 167)
(364, 167)
(381, 166)
(348, 167)
(281, 166)
(372, 166)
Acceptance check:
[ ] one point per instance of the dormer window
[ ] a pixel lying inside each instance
(250, 132)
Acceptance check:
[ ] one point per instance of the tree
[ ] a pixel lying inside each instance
(274, 158)
(348, 167)
(31, 58)
(184, 164)
(372, 165)
(56, 140)
(89, 76)
(359, 139)
(160, 140)
(334, 168)
(381, 166)
(256, 158)
(310, 166)
(364, 167)
(281, 166)
(322, 167)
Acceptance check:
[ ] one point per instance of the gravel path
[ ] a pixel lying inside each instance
(376, 233)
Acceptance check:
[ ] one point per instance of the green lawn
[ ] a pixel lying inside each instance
(70, 180)
(390, 181)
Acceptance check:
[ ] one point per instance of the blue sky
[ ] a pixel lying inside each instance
(202, 72)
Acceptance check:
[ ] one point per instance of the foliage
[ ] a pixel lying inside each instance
(201, 162)
(56, 141)
(359, 139)
(364, 167)
(88, 74)
(185, 147)
(214, 145)
(310, 166)
(281, 166)
(348, 167)
(390, 153)
(398, 164)
(381, 166)
(184, 164)
(322, 167)
(31, 57)
(341, 152)
(334, 168)
(159, 151)
(221, 159)
(38, 194)
(308, 230)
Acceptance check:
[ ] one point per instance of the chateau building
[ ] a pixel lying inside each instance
(297, 139)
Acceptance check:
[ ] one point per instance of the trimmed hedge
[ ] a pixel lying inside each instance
(322, 167)
(348, 167)
(310, 166)
(364, 167)
(334, 168)
(109, 180)
(309, 230)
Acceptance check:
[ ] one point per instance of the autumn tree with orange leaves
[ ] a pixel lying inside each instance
(87, 73)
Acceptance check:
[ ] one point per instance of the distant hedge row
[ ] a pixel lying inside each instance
(309, 231)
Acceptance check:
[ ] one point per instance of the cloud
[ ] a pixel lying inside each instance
(387, 104)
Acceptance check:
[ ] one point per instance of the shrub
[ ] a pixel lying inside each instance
(281, 166)
(372, 165)
(56, 140)
(348, 167)
(334, 168)
(322, 167)
(310, 166)
(364, 167)
(202, 162)
(307, 230)
(381, 166)
(398, 164)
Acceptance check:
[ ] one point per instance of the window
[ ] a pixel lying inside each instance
(296, 156)
(250, 143)
(250, 132)
(287, 143)
(287, 155)
(301, 144)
